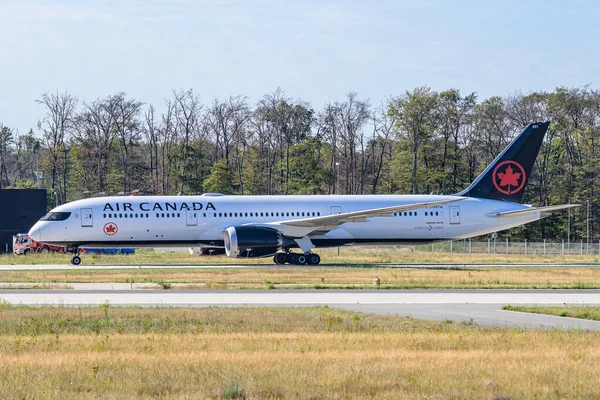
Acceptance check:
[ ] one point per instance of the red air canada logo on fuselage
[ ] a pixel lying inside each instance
(110, 228)
(509, 177)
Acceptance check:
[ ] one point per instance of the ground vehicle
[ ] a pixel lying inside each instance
(23, 244)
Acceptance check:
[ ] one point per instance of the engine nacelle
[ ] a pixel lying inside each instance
(253, 241)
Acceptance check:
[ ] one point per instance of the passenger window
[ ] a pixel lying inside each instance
(236, 214)
(157, 215)
(405, 213)
(318, 214)
(121, 215)
(436, 213)
(104, 216)
(287, 214)
(415, 213)
(163, 215)
(425, 213)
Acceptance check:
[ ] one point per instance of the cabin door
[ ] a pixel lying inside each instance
(86, 217)
(455, 215)
(191, 218)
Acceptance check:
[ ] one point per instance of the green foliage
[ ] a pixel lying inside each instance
(422, 141)
(220, 179)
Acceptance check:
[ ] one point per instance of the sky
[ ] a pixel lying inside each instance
(316, 51)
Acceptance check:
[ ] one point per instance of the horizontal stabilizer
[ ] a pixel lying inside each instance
(531, 210)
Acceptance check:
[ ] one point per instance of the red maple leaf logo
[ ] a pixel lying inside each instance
(512, 179)
(110, 228)
(509, 177)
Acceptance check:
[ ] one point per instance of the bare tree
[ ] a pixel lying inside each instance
(56, 125)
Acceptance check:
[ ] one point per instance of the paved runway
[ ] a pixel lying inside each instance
(482, 307)
(83, 266)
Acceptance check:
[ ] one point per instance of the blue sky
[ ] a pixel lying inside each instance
(314, 50)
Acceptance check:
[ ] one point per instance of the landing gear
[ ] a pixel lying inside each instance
(297, 259)
(314, 259)
(280, 258)
(76, 260)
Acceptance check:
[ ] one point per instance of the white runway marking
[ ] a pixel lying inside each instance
(83, 266)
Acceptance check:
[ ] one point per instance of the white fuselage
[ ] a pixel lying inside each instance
(144, 221)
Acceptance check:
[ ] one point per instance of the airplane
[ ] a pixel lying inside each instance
(265, 226)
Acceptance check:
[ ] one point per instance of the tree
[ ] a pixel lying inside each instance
(416, 115)
(56, 125)
(220, 179)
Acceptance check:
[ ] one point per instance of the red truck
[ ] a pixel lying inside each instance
(23, 244)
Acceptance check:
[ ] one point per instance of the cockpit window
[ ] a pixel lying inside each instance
(55, 216)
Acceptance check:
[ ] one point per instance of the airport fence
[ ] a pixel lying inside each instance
(491, 246)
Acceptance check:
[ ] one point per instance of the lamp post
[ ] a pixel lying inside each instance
(337, 166)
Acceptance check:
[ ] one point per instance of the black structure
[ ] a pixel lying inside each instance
(19, 210)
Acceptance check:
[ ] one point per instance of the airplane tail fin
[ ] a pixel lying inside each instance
(506, 177)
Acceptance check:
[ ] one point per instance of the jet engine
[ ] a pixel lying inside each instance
(253, 241)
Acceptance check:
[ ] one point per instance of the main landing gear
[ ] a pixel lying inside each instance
(298, 259)
(76, 260)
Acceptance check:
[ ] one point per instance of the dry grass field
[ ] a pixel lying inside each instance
(318, 353)
(323, 277)
(348, 255)
(573, 311)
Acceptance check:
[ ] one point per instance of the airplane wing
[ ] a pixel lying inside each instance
(531, 210)
(329, 222)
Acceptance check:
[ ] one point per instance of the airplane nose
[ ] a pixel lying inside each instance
(35, 233)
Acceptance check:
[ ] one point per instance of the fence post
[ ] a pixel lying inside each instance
(338, 250)
(470, 246)
(544, 246)
(507, 245)
(451, 242)
(581, 249)
(432, 247)
(563, 247)
(525, 246)
(488, 246)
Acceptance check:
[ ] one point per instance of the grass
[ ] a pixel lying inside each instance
(324, 277)
(348, 255)
(318, 353)
(584, 312)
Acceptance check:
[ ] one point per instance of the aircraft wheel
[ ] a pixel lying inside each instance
(300, 259)
(280, 258)
(314, 259)
(76, 260)
(291, 258)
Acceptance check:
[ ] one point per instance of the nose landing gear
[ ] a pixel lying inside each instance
(76, 260)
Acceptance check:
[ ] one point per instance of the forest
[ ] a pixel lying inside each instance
(420, 141)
